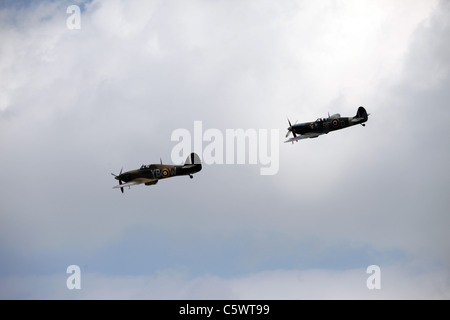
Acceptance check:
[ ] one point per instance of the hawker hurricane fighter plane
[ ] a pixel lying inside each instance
(325, 125)
(152, 173)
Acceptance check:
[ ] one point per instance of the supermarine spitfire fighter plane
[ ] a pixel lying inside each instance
(325, 125)
(152, 173)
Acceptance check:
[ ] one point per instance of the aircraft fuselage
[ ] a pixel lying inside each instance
(326, 125)
(158, 171)
(322, 126)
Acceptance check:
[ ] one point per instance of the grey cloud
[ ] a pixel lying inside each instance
(77, 105)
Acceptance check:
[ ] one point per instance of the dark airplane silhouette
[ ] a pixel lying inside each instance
(152, 173)
(325, 125)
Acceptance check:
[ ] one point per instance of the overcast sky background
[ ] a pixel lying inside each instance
(76, 105)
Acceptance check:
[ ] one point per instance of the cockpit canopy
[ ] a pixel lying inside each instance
(337, 115)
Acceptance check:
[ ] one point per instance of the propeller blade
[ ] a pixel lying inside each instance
(115, 175)
(120, 181)
(290, 128)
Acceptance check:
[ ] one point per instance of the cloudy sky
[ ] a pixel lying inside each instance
(78, 104)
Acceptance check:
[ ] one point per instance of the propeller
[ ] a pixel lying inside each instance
(120, 181)
(290, 129)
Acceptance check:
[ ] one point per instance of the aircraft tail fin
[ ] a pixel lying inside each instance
(362, 113)
(193, 158)
(192, 165)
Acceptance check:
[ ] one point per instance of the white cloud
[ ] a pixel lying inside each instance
(78, 104)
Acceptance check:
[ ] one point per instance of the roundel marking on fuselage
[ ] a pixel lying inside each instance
(165, 173)
(335, 122)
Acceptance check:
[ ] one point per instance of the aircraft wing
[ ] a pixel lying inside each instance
(135, 182)
(304, 136)
(151, 181)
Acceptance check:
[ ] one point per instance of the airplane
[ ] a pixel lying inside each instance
(325, 125)
(152, 173)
